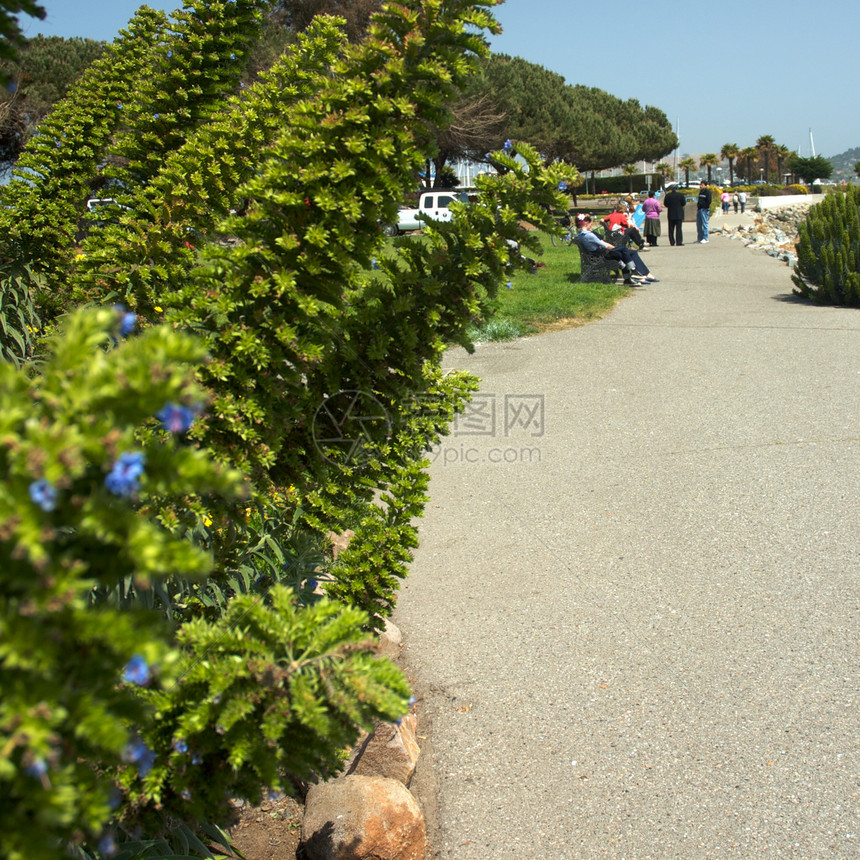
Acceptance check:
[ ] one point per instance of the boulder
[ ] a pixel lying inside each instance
(390, 751)
(389, 641)
(362, 818)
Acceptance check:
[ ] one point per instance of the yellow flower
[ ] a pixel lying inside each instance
(158, 310)
(207, 521)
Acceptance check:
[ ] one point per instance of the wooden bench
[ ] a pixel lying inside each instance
(595, 267)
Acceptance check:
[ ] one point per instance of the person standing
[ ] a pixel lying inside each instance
(674, 201)
(725, 199)
(703, 213)
(652, 209)
(742, 199)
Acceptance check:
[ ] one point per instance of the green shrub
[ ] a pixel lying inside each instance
(74, 475)
(267, 694)
(495, 329)
(828, 251)
(797, 189)
(42, 205)
(107, 713)
(19, 322)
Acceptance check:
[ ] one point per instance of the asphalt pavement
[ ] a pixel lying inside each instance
(633, 621)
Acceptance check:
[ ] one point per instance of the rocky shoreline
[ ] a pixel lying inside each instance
(775, 231)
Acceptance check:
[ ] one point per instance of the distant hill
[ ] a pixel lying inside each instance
(843, 165)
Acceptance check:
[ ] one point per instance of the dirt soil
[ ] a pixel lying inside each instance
(270, 831)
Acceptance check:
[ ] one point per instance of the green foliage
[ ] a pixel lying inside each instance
(495, 329)
(197, 185)
(197, 65)
(582, 125)
(622, 184)
(307, 300)
(19, 322)
(46, 68)
(797, 189)
(810, 169)
(11, 37)
(70, 522)
(828, 251)
(41, 207)
(265, 693)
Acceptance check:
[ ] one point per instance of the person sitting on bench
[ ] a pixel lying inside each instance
(630, 260)
(618, 221)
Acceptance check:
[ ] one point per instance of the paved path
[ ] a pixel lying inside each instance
(637, 636)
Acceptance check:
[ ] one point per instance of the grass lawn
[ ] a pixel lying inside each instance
(550, 300)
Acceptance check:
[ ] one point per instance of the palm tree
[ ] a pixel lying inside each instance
(687, 165)
(782, 152)
(750, 155)
(764, 144)
(663, 170)
(630, 170)
(709, 160)
(730, 152)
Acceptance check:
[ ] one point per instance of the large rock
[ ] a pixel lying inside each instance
(390, 750)
(390, 640)
(362, 818)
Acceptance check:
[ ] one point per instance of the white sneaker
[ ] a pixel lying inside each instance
(703, 242)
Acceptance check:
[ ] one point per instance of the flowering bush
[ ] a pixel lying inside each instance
(105, 715)
(74, 475)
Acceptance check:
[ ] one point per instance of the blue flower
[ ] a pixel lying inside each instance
(43, 494)
(127, 319)
(119, 105)
(562, 186)
(509, 285)
(107, 845)
(137, 671)
(180, 746)
(155, 116)
(124, 478)
(186, 794)
(137, 752)
(508, 146)
(176, 418)
(37, 769)
(169, 54)
(232, 56)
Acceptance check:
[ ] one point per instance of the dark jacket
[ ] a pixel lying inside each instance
(674, 202)
(704, 199)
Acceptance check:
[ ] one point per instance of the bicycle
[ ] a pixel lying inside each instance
(566, 239)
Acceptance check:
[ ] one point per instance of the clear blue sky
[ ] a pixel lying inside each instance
(724, 72)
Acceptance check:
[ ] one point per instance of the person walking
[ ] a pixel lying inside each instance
(652, 209)
(742, 199)
(703, 213)
(674, 201)
(725, 199)
(735, 201)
